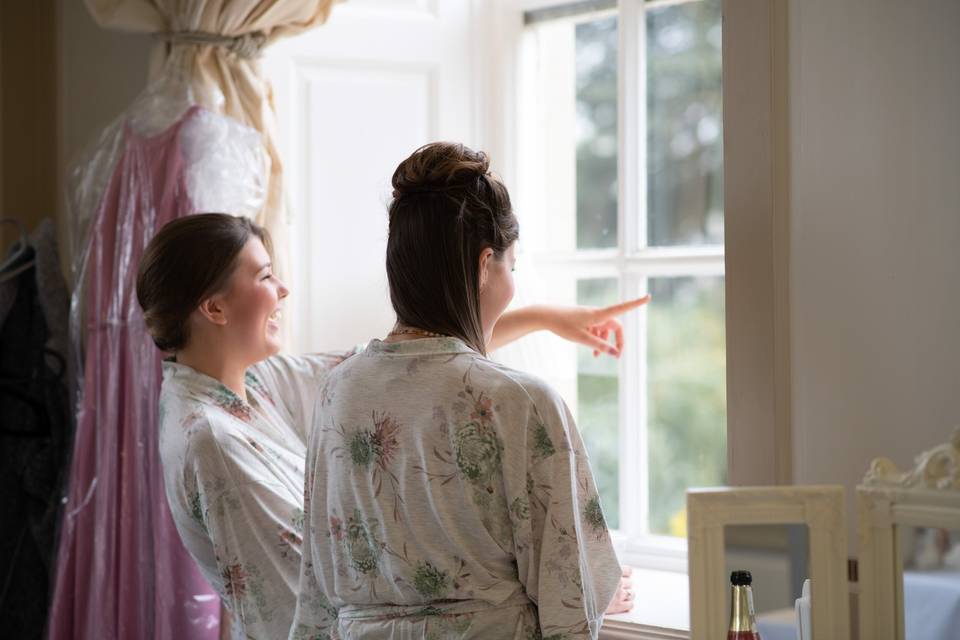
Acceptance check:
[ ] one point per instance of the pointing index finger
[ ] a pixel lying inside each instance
(622, 307)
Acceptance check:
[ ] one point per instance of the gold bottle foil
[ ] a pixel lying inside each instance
(741, 609)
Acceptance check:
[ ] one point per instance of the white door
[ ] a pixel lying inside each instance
(354, 98)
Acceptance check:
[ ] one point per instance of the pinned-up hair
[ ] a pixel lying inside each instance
(447, 209)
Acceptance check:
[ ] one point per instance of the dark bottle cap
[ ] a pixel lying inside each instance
(741, 578)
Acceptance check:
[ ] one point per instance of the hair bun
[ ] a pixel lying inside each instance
(440, 167)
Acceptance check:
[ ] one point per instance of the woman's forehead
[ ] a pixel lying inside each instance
(254, 254)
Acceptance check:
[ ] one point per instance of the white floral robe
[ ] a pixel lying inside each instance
(233, 473)
(448, 496)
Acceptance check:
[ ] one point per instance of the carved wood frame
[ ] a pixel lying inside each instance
(927, 496)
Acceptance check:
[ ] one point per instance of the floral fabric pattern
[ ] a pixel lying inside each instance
(448, 496)
(233, 474)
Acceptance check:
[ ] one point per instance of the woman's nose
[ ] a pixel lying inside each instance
(283, 292)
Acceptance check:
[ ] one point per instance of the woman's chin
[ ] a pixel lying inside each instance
(272, 336)
(273, 345)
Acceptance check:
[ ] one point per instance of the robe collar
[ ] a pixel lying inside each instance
(204, 388)
(418, 347)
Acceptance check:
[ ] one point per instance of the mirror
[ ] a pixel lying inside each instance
(777, 556)
(783, 534)
(930, 557)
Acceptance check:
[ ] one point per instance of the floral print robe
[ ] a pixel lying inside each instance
(233, 473)
(448, 496)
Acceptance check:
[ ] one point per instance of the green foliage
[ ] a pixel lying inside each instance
(686, 392)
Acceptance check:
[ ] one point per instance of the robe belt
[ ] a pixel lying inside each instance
(391, 612)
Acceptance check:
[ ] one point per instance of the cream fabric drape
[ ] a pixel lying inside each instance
(218, 70)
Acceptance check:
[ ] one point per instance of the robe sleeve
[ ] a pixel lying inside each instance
(254, 524)
(565, 558)
(296, 383)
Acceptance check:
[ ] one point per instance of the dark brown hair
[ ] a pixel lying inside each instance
(447, 208)
(189, 260)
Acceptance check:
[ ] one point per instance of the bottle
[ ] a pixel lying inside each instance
(743, 624)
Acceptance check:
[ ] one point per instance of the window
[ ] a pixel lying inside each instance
(620, 192)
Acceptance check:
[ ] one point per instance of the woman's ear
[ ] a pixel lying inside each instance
(485, 257)
(213, 310)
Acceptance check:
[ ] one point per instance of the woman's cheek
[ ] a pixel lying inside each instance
(509, 290)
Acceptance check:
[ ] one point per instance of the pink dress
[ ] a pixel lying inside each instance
(122, 571)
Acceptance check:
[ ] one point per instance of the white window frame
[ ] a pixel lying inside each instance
(633, 262)
(757, 136)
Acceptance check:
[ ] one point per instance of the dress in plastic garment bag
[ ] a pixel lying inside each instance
(122, 571)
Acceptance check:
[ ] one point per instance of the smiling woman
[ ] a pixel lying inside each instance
(199, 253)
(243, 315)
(231, 412)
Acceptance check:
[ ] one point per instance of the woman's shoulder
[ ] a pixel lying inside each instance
(518, 384)
(548, 425)
(189, 426)
(180, 410)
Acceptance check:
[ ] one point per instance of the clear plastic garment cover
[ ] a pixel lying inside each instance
(122, 571)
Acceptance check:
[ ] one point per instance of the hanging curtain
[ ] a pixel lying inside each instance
(215, 43)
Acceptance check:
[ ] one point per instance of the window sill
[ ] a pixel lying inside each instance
(661, 612)
(615, 629)
(656, 553)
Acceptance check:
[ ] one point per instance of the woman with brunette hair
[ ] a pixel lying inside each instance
(232, 412)
(448, 495)
(234, 415)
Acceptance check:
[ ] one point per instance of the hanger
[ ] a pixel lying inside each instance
(21, 255)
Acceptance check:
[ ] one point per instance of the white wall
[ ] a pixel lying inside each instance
(875, 232)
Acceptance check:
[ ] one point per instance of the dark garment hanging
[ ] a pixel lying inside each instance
(35, 428)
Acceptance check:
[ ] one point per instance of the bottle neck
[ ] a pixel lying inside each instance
(741, 609)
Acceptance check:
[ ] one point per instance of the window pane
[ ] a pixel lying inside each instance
(598, 406)
(596, 61)
(684, 125)
(686, 392)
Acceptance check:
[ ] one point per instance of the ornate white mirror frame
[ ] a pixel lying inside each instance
(818, 507)
(927, 496)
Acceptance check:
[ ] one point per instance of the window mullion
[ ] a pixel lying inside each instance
(631, 131)
(631, 225)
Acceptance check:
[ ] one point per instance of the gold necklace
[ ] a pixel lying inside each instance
(415, 332)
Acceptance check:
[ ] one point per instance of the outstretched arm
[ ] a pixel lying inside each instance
(590, 326)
